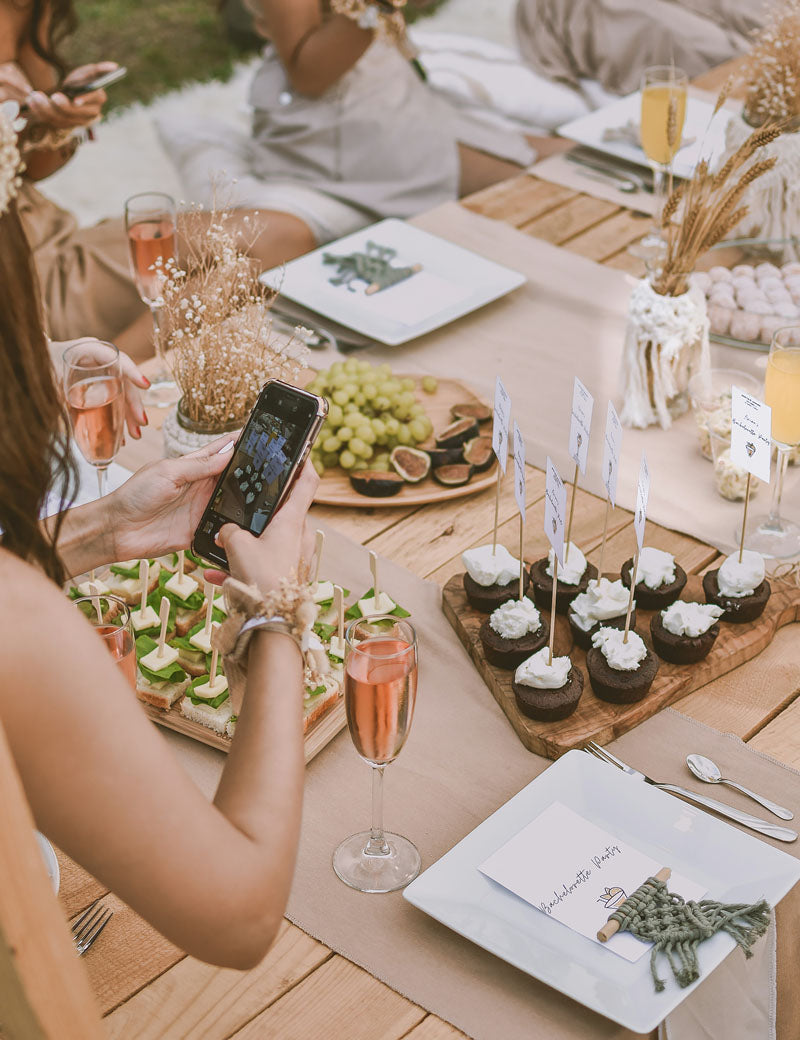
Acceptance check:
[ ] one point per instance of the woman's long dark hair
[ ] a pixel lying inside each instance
(51, 22)
(34, 443)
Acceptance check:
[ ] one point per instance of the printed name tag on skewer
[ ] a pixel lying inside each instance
(555, 506)
(519, 494)
(612, 445)
(751, 443)
(580, 425)
(502, 416)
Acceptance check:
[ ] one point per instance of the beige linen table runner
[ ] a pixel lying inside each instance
(461, 762)
(568, 320)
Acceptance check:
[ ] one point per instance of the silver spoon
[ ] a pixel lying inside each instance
(704, 769)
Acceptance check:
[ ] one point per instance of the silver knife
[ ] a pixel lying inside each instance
(755, 823)
(610, 171)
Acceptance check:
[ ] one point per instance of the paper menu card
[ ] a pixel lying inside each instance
(751, 428)
(576, 872)
(555, 509)
(612, 445)
(519, 471)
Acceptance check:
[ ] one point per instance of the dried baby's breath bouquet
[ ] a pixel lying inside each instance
(217, 325)
(771, 71)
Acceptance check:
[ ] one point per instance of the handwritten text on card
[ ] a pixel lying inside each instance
(580, 425)
(555, 509)
(612, 445)
(751, 430)
(642, 494)
(502, 415)
(519, 471)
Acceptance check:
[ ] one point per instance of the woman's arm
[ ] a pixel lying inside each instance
(102, 783)
(316, 50)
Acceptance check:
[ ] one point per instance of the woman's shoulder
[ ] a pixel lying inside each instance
(25, 592)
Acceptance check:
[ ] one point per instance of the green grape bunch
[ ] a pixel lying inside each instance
(370, 411)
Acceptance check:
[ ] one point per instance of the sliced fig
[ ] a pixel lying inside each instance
(412, 464)
(453, 476)
(472, 410)
(479, 453)
(444, 456)
(457, 433)
(375, 483)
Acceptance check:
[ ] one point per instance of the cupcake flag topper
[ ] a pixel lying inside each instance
(502, 415)
(751, 443)
(639, 518)
(612, 444)
(579, 427)
(519, 493)
(555, 506)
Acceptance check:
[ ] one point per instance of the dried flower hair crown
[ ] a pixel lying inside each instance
(10, 162)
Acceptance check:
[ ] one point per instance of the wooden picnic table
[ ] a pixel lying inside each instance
(149, 989)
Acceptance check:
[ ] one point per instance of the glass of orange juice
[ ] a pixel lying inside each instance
(663, 113)
(773, 535)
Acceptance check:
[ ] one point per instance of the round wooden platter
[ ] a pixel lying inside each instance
(335, 488)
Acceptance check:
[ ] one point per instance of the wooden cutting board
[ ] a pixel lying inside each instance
(597, 720)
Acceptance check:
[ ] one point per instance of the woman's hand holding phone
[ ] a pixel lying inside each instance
(60, 112)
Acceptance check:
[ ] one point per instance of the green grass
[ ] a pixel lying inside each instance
(163, 43)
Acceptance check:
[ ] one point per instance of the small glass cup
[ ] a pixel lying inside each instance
(111, 619)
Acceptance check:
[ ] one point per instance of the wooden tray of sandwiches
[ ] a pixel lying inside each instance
(599, 720)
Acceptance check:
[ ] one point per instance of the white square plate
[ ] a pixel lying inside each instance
(708, 134)
(452, 282)
(732, 866)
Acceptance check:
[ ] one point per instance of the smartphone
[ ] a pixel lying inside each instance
(74, 90)
(274, 444)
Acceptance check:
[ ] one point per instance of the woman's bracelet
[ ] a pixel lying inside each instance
(383, 17)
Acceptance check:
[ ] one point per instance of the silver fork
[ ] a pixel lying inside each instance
(753, 822)
(87, 927)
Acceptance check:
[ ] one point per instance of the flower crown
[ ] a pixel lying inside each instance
(10, 162)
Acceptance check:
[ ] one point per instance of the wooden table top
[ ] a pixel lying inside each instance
(149, 990)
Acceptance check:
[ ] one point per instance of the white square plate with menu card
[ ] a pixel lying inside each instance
(451, 282)
(732, 866)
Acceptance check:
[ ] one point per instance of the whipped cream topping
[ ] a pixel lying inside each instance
(621, 656)
(490, 568)
(656, 568)
(515, 619)
(571, 572)
(602, 600)
(741, 579)
(536, 672)
(690, 619)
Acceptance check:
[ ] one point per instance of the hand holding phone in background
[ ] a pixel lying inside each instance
(61, 112)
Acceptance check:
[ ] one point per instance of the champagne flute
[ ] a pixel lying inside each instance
(380, 692)
(663, 114)
(112, 622)
(150, 221)
(94, 389)
(773, 535)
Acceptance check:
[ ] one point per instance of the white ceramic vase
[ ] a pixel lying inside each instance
(183, 435)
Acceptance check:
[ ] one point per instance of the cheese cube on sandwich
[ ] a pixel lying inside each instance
(144, 619)
(336, 648)
(162, 693)
(181, 588)
(208, 704)
(322, 591)
(155, 662)
(319, 699)
(219, 604)
(384, 604)
(129, 590)
(202, 640)
(100, 587)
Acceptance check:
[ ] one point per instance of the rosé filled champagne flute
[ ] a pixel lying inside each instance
(151, 223)
(94, 391)
(111, 619)
(380, 693)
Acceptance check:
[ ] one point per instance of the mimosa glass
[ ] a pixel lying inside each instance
(380, 692)
(773, 535)
(94, 391)
(151, 223)
(113, 624)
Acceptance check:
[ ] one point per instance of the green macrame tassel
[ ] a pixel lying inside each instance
(676, 928)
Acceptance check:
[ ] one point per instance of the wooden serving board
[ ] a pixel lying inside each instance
(335, 488)
(598, 720)
(320, 733)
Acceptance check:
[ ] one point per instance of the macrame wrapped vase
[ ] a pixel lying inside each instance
(666, 341)
(183, 435)
(773, 201)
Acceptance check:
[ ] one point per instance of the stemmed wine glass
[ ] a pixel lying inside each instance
(662, 118)
(150, 221)
(773, 535)
(95, 394)
(380, 692)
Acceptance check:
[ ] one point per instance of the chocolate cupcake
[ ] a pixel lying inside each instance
(547, 703)
(660, 579)
(513, 632)
(620, 685)
(492, 577)
(603, 604)
(685, 632)
(739, 588)
(576, 568)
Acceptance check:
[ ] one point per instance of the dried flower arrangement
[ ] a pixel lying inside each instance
(771, 71)
(216, 323)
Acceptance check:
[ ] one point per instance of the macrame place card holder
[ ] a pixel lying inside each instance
(676, 927)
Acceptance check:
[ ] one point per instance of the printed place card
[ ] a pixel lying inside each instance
(612, 445)
(555, 509)
(751, 433)
(519, 470)
(502, 415)
(577, 873)
(580, 425)
(642, 495)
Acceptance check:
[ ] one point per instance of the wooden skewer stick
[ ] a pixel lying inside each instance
(96, 602)
(605, 534)
(338, 605)
(553, 610)
(521, 556)
(571, 511)
(212, 671)
(611, 927)
(181, 565)
(634, 575)
(496, 508)
(318, 546)
(373, 566)
(744, 518)
(92, 575)
(208, 590)
(144, 571)
(163, 617)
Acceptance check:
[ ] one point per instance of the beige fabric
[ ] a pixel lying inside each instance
(83, 272)
(612, 41)
(461, 762)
